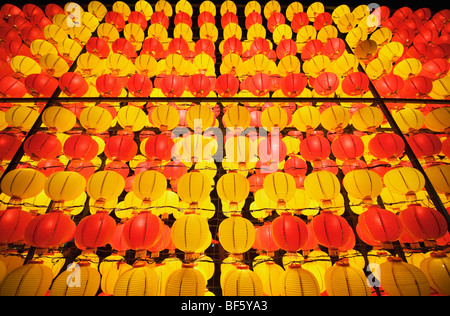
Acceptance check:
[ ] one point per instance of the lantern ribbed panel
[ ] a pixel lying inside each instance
(95, 230)
(437, 270)
(269, 273)
(242, 282)
(138, 281)
(404, 180)
(23, 183)
(190, 232)
(186, 281)
(363, 183)
(236, 234)
(111, 275)
(64, 186)
(88, 278)
(193, 187)
(289, 232)
(322, 185)
(423, 222)
(32, 279)
(149, 184)
(380, 224)
(346, 280)
(142, 230)
(403, 279)
(13, 222)
(233, 187)
(296, 281)
(331, 231)
(105, 185)
(279, 186)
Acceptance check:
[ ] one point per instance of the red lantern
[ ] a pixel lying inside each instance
(159, 17)
(124, 47)
(108, 85)
(227, 18)
(142, 231)
(95, 230)
(42, 146)
(326, 83)
(331, 231)
(80, 147)
(174, 169)
(253, 18)
(179, 46)
(50, 166)
(120, 148)
(379, 167)
(419, 51)
(380, 224)
(299, 20)
(146, 165)
(292, 85)
(12, 88)
(290, 233)
(367, 239)
(159, 147)
(232, 45)
(52, 9)
(139, 85)
(435, 68)
(355, 83)
(18, 22)
(138, 18)
(347, 146)
(9, 144)
(265, 238)
(172, 85)
(163, 241)
(16, 47)
(315, 147)
(327, 165)
(322, 19)
(153, 47)
(116, 19)
(206, 46)
(334, 48)
(446, 147)
(259, 84)
(227, 85)
(13, 222)
(272, 149)
(119, 167)
(73, 84)
(387, 146)
(389, 85)
(205, 17)
(311, 243)
(312, 48)
(41, 85)
(116, 241)
(256, 182)
(98, 47)
(275, 19)
(41, 21)
(286, 47)
(49, 230)
(425, 145)
(259, 46)
(199, 85)
(352, 164)
(30, 34)
(417, 87)
(424, 223)
(182, 17)
(295, 166)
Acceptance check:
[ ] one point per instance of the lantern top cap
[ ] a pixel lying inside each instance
(394, 259)
(438, 254)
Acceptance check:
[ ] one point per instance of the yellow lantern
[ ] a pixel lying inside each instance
(441, 88)
(209, 31)
(64, 186)
(166, 204)
(131, 118)
(111, 275)
(21, 117)
(236, 234)
(367, 119)
(149, 185)
(22, 183)
(58, 118)
(299, 202)
(280, 187)
(409, 119)
(80, 279)
(306, 118)
(54, 65)
(186, 281)
(146, 65)
(97, 9)
(405, 181)
(289, 64)
(95, 119)
(399, 278)
(119, 65)
(140, 280)
(242, 282)
(24, 66)
(69, 48)
(104, 186)
(270, 274)
(274, 117)
(165, 117)
(199, 117)
(11, 259)
(438, 120)
(190, 232)
(322, 185)
(318, 270)
(237, 117)
(40, 47)
(363, 184)
(436, 268)
(296, 281)
(31, 279)
(193, 187)
(335, 118)
(234, 188)
(439, 176)
(208, 6)
(205, 265)
(108, 32)
(89, 64)
(342, 279)
(407, 68)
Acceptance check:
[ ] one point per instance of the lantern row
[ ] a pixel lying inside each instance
(282, 186)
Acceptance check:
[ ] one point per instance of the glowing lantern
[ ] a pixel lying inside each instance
(104, 186)
(140, 280)
(347, 147)
(64, 186)
(356, 83)
(343, 273)
(296, 280)
(367, 118)
(386, 146)
(54, 65)
(82, 147)
(425, 145)
(437, 119)
(193, 188)
(315, 148)
(139, 85)
(98, 47)
(306, 118)
(149, 185)
(24, 183)
(280, 187)
(331, 230)
(88, 280)
(199, 117)
(264, 236)
(165, 117)
(42, 146)
(399, 278)
(272, 149)
(95, 230)
(233, 188)
(9, 144)
(190, 233)
(12, 87)
(186, 281)
(242, 282)
(120, 148)
(335, 118)
(32, 279)
(236, 234)
(295, 166)
(404, 181)
(407, 68)
(292, 85)
(363, 184)
(159, 147)
(108, 85)
(436, 269)
(237, 117)
(41, 85)
(269, 272)
(439, 175)
(289, 232)
(274, 119)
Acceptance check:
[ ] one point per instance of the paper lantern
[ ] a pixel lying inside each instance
(159, 147)
(363, 184)
(41, 85)
(259, 84)
(9, 144)
(331, 230)
(272, 149)
(23, 183)
(80, 147)
(58, 118)
(295, 166)
(289, 232)
(98, 47)
(306, 118)
(292, 85)
(73, 84)
(242, 282)
(190, 233)
(436, 270)
(355, 83)
(234, 188)
(139, 85)
(425, 145)
(237, 117)
(405, 181)
(49, 230)
(42, 146)
(142, 231)
(95, 119)
(326, 83)
(399, 278)
(269, 272)
(165, 117)
(347, 147)
(379, 224)
(386, 145)
(264, 236)
(116, 241)
(120, 148)
(32, 279)
(296, 281)
(64, 186)
(199, 117)
(422, 222)
(335, 118)
(409, 119)
(236, 234)
(280, 187)
(437, 119)
(439, 175)
(342, 279)
(85, 282)
(95, 230)
(104, 186)
(226, 85)
(322, 185)
(13, 222)
(186, 281)
(193, 188)
(367, 118)
(140, 280)
(149, 185)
